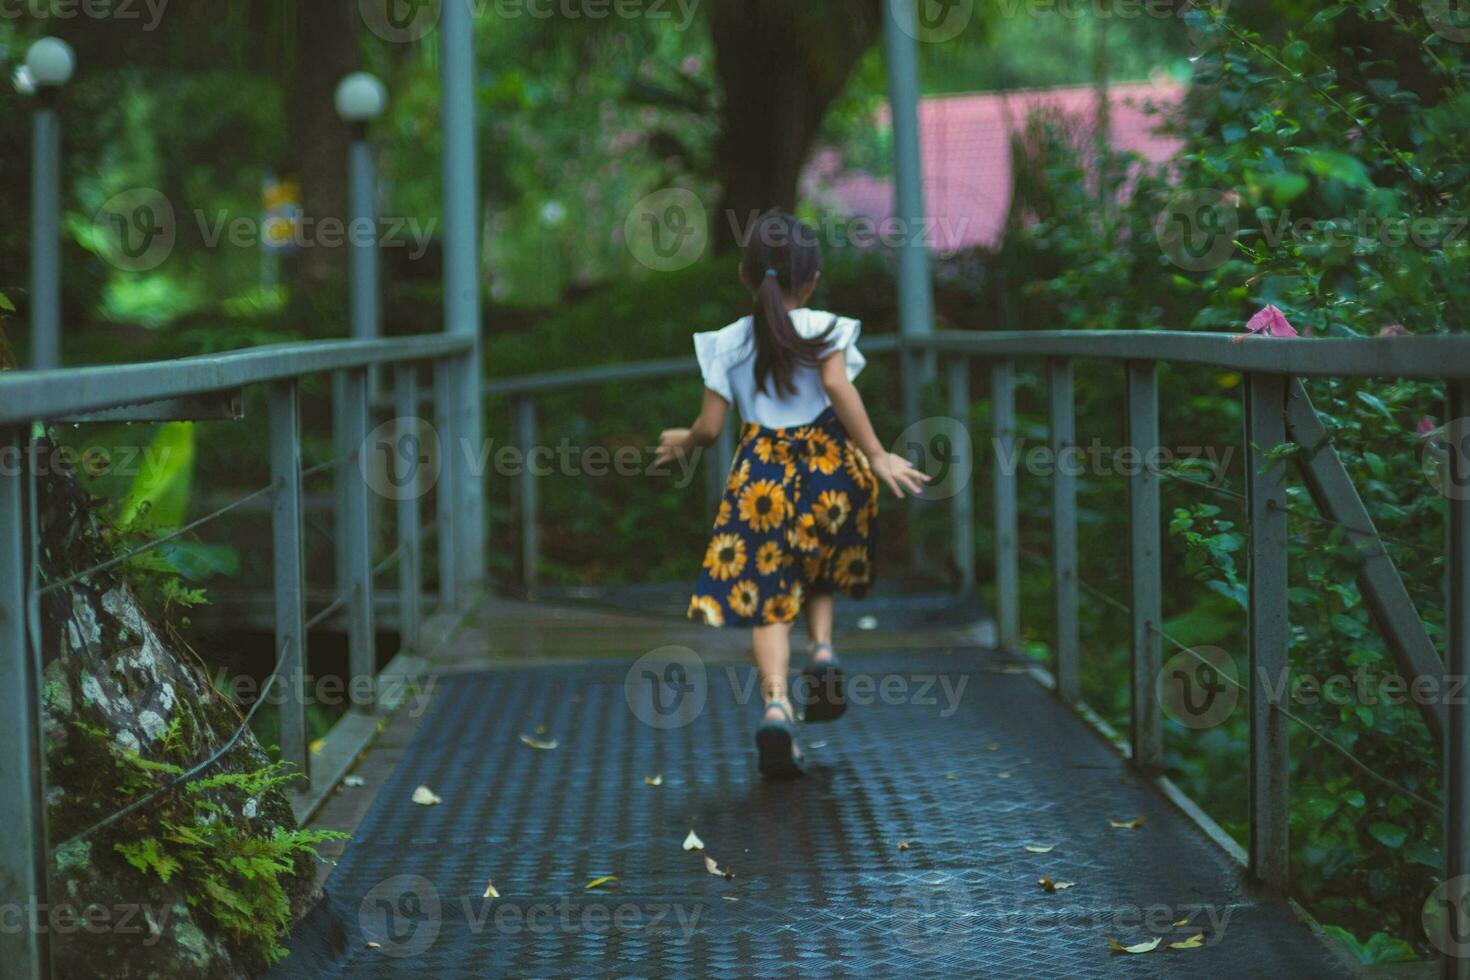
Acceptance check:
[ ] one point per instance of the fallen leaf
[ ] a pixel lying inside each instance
(490, 891)
(730, 898)
(372, 945)
(1193, 942)
(1040, 848)
(816, 745)
(1049, 886)
(1133, 824)
(903, 845)
(693, 843)
(317, 745)
(714, 869)
(599, 882)
(424, 796)
(993, 747)
(950, 775)
(1145, 947)
(537, 743)
(1005, 775)
(354, 781)
(654, 780)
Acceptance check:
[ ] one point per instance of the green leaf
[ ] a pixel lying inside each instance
(6, 304)
(1388, 834)
(160, 490)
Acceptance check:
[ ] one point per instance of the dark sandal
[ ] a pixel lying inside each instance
(775, 741)
(822, 693)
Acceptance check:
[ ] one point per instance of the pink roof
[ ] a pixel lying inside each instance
(967, 157)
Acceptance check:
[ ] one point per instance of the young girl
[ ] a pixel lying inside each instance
(796, 523)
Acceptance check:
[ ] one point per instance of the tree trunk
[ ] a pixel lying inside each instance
(781, 65)
(326, 50)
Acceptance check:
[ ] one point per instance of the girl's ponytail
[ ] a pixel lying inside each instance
(784, 257)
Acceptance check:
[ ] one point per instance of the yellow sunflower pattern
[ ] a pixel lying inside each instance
(797, 517)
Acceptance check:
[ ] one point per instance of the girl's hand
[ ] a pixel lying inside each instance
(672, 445)
(899, 474)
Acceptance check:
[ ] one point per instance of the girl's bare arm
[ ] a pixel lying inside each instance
(895, 471)
(674, 443)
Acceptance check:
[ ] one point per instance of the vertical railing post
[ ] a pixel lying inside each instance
(1064, 526)
(410, 549)
(1007, 520)
(23, 950)
(50, 62)
(1265, 414)
(1145, 576)
(356, 525)
(1457, 663)
(288, 558)
(962, 504)
(530, 491)
(717, 460)
(447, 495)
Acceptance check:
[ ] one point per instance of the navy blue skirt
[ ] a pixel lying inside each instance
(797, 519)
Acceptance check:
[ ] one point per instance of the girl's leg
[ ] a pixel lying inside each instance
(773, 659)
(819, 612)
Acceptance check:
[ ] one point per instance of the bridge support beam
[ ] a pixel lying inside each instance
(962, 516)
(1265, 412)
(1146, 580)
(1007, 520)
(288, 556)
(1064, 527)
(410, 549)
(462, 295)
(1457, 664)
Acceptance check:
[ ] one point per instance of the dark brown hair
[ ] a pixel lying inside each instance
(782, 258)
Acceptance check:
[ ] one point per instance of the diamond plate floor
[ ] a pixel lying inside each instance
(967, 774)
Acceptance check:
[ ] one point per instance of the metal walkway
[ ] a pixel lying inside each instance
(904, 852)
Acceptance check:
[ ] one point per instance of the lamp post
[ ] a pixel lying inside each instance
(49, 65)
(360, 99)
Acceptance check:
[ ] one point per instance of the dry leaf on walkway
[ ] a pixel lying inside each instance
(993, 747)
(950, 775)
(1050, 887)
(1004, 775)
(903, 845)
(537, 743)
(714, 869)
(599, 882)
(1146, 947)
(424, 796)
(490, 891)
(1041, 848)
(372, 945)
(1193, 942)
(353, 781)
(816, 745)
(1133, 824)
(654, 780)
(693, 843)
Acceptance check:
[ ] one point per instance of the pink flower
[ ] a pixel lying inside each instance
(1269, 322)
(1425, 428)
(1394, 330)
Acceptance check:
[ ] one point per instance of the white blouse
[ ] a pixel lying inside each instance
(727, 359)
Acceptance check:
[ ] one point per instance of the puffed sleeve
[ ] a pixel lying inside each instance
(712, 365)
(844, 338)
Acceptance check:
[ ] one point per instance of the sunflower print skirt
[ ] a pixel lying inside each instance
(797, 519)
